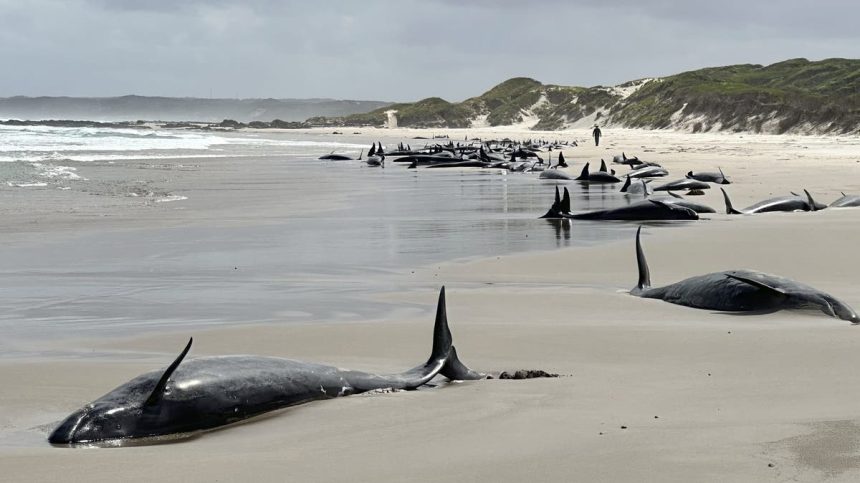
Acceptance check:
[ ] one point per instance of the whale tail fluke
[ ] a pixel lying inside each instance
(554, 210)
(443, 348)
(457, 371)
(565, 201)
(812, 205)
(730, 210)
(644, 282)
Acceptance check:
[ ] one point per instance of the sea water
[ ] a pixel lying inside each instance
(318, 265)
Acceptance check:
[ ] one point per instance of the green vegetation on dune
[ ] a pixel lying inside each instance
(797, 94)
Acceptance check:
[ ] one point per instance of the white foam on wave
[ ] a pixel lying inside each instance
(85, 158)
(57, 172)
(57, 144)
(169, 198)
(26, 185)
(50, 139)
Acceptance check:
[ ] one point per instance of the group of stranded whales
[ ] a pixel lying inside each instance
(207, 393)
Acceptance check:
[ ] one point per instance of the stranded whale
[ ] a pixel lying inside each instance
(781, 203)
(642, 210)
(739, 290)
(208, 392)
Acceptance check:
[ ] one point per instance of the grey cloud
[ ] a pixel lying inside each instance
(392, 50)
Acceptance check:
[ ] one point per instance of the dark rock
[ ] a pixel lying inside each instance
(526, 374)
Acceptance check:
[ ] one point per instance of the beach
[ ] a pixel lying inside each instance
(648, 391)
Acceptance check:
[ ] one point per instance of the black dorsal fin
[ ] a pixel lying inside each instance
(584, 173)
(603, 165)
(565, 201)
(626, 185)
(158, 392)
(644, 273)
(557, 196)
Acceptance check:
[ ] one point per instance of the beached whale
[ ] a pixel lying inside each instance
(623, 159)
(739, 291)
(709, 177)
(648, 172)
(598, 177)
(554, 174)
(339, 157)
(847, 201)
(683, 184)
(640, 187)
(680, 201)
(209, 392)
(780, 203)
(639, 211)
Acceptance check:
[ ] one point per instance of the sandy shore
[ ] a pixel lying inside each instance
(650, 391)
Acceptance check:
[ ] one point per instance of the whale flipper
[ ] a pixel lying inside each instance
(756, 283)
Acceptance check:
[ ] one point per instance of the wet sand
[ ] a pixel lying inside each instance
(703, 396)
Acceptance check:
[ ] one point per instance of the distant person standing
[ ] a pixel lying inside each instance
(596, 134)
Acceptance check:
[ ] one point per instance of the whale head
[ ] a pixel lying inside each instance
(98, 422)
(132, 410)
(828, 304)
(844, 311)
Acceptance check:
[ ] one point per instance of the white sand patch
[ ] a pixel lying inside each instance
(630, 89)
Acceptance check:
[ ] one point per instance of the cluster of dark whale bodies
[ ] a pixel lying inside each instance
(207, 393)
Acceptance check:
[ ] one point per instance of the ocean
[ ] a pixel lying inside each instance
(166, 229)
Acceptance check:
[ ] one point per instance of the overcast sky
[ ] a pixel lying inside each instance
(394, 50)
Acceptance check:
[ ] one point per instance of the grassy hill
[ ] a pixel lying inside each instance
(791, 96)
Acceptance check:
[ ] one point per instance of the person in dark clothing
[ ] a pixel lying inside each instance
(596, 133)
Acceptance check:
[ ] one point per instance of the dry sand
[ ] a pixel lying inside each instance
(650, 391)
